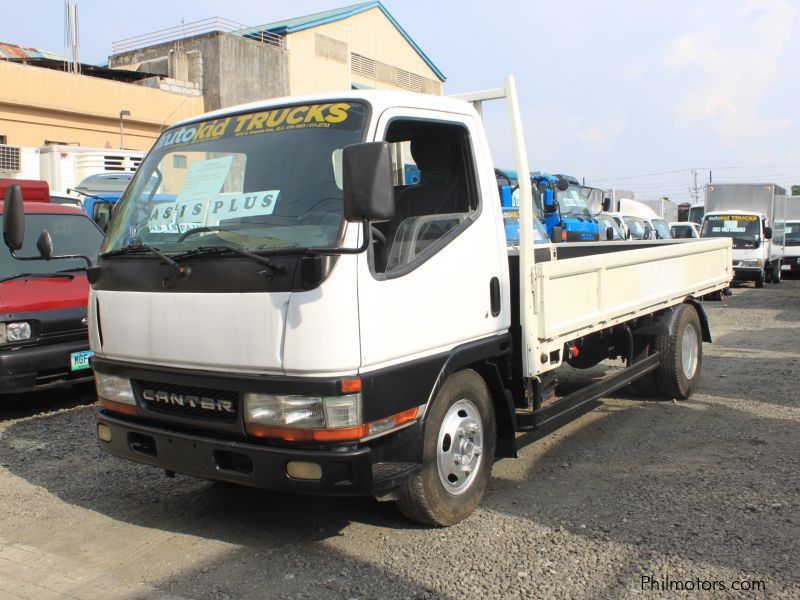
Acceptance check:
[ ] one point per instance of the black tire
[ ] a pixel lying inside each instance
(776, 273)
(424, 498)
(679, 368)
(760, 280)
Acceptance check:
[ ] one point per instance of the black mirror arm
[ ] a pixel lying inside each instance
(336, 251)
(88, 260)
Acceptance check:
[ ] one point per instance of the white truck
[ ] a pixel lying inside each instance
(747, 213)
(791, 232)
(64, 167)
(296, 317)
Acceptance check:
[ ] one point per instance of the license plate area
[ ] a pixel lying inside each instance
(79, 361)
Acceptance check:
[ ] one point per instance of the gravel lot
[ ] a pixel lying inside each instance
(704, 491)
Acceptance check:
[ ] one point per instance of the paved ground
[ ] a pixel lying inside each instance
(704, 491)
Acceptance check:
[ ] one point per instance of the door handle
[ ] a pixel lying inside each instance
(494, 295)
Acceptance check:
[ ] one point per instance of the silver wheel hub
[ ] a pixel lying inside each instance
(689, 351)
(460, 447)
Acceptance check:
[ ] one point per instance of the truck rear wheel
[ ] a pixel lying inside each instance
(681, 352)
(458, 453)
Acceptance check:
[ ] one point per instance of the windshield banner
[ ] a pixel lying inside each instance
(278, 119)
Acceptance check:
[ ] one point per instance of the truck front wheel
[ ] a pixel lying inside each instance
(760, 280)
(458, 453)
(681, 351)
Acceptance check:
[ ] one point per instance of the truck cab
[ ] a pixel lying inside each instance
(43, 330)
(791, 249)
(565, 208)
(751, 238)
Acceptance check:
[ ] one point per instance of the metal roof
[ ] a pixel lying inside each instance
(330, 16)
(14, 51)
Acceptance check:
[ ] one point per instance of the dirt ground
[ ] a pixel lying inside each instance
(626, 501)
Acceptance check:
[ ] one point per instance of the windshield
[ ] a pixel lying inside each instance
(572, 202)
(605, 223)
(682, 231)
(71, 234)
(254, 181)
(635, 226)
(696, 214)
(662, 229)
(793, 233)
(745, 230)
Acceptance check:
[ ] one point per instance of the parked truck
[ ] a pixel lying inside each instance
(791, 231)
(302, 319)
(566, 209)
(43, 327)
(747, 213)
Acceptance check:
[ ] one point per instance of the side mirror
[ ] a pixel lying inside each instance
(367, 182)
(606, 204)
(609, 233)
(557, 236)
(562, 184)
(647, 233)
(14, 218)
(45, 244)
(767, 233)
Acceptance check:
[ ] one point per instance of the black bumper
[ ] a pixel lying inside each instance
(345, 472)
(29, 368)
(793, 262)
(747, 273)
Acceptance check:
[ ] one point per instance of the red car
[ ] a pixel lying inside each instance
(43, 327)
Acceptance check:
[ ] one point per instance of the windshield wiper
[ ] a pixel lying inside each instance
(37, 275)
(221, 250)
(139, 247)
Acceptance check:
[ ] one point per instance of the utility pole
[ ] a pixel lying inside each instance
(694, 190)
(710, 180)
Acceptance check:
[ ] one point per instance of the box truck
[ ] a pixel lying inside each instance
(747, 213)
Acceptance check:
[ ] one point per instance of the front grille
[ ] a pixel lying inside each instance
(186, 400)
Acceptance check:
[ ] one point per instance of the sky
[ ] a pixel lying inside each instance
(632, 94)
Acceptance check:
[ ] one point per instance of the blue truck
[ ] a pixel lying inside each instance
(564, 206)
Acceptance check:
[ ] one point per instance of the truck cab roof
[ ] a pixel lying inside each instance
(379, 100)
(47, 207)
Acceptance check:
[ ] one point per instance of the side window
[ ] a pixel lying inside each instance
(435, 191)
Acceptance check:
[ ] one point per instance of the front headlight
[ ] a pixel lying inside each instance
(15, 332)
(116, 389)
(752, 263)
(303, 412)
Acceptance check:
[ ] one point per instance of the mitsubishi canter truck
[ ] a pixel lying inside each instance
(301, 318)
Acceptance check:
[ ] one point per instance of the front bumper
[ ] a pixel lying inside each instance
(346, 471)
(30, 368)
(792, 263)
(747, 273)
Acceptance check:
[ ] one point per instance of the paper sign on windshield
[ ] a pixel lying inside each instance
(179, 217)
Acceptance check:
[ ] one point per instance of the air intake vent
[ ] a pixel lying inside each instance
(9, 159)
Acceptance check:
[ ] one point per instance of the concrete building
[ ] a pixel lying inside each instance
(44, 107)
(356, 46)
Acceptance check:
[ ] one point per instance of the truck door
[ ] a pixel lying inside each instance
(426, 285)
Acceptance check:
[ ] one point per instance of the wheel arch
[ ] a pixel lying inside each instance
(485, 357)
